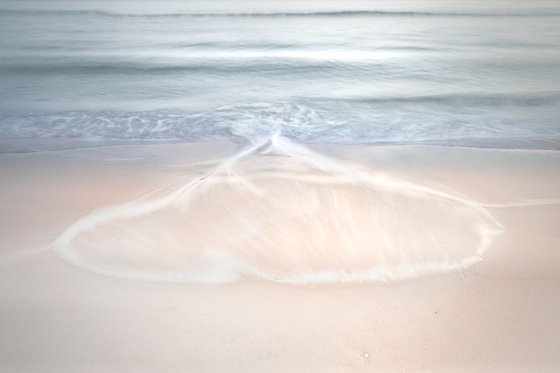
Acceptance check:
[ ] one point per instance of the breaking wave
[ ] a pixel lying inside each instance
(433, 119)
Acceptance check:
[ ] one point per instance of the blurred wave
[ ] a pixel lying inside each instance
(353, 71)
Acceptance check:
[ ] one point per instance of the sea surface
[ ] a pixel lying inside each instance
(454, 72)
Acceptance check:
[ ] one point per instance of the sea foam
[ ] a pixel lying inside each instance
(278, 211)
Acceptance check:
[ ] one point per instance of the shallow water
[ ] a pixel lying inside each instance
(277, 211)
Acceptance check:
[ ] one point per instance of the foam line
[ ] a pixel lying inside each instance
(524, 203)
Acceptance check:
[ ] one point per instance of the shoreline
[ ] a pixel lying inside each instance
(164, 167)
(23, 145)
(499, 314)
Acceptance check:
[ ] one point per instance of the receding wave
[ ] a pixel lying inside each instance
(278, 211)
(333, 13)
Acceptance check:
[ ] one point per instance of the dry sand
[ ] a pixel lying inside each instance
(498, 315)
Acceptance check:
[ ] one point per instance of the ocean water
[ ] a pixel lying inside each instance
(352, 71)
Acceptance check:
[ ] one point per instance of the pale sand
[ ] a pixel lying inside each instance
(500, 314)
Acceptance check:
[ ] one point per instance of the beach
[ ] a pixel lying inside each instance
(279, 186)
(496, 314)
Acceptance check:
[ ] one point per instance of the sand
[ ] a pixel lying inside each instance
(499, 314)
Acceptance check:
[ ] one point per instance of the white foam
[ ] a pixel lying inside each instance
(278, 211)
(423, 119)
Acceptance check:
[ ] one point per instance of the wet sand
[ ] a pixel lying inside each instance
(497, 314)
